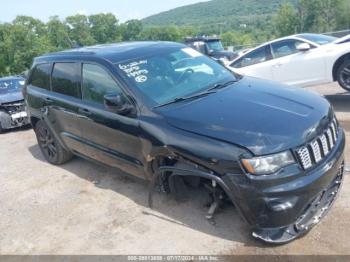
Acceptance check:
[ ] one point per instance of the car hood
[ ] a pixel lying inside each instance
(10, 97)
(262, 116)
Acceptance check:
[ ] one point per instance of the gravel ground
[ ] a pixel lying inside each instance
(83, 208)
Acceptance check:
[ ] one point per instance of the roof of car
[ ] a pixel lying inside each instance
(307, 34)
(202, 38)
(302, 36)
(11, 78)
(116, 52)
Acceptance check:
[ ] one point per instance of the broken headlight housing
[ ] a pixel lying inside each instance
(268, 165)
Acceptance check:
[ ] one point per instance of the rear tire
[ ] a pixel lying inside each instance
(343, 75)
(52, 150)
(1, 130)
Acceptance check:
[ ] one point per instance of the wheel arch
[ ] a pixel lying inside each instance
(34, 120)
(159, 157)
(338, 63)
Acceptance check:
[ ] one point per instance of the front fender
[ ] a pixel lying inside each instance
(167, 141)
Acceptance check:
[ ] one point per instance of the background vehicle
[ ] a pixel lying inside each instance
(12, 109)
(299, 60)
(210, 46)
(168, 114)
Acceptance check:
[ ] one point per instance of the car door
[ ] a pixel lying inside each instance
(38, 88)
(298, 68)
(62, 105)
(256, 63)
(109, 137)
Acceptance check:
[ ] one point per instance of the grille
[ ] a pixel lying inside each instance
(14, 107)
(313, 153)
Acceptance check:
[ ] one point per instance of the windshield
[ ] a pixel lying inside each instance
(11, 85)
(177, 74)
(318, 39)
(215, 45)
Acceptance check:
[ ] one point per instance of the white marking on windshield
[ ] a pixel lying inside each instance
(134, 70)
(141, 78)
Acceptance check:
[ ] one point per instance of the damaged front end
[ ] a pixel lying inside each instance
(13, 114)
(314, 212)
(171, 179)
(279, 208)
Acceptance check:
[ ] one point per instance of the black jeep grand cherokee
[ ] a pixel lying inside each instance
(166, 113)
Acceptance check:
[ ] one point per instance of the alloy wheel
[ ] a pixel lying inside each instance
(47, 143)
(345, 77)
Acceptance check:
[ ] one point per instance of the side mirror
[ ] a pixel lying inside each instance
(304, 47)
(117, 103)
(210, 51)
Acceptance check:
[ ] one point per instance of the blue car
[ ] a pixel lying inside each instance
(12, 109)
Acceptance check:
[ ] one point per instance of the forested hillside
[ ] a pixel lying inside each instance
(234, 13)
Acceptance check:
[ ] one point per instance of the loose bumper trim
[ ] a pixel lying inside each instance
(313, 214)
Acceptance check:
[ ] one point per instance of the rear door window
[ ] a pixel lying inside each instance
(66, 79)
(41, 76)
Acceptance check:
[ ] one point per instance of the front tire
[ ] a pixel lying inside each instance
(52, 150)
(343, 75)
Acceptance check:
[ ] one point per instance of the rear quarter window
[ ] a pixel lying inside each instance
(41, 76)
(66, 79)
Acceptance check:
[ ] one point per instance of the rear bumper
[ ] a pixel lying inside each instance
(284, 207)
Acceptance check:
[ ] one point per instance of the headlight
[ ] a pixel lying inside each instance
(268, 164)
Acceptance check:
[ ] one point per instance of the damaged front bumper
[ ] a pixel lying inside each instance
(13, 115)
(314, 212)
(284, 207)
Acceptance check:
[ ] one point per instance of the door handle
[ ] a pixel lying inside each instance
(48, 101)
(84, 111)
(279, 64)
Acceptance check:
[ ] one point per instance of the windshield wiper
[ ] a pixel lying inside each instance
(220, 86)
(181, 99)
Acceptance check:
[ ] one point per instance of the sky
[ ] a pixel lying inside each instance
(123, 9)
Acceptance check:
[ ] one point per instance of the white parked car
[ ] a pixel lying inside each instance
(299, 60)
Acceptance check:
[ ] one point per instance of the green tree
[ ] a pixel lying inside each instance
(22, 43)
(330, 11)
(57, 33)
(308, 15)
(168, 33)
(186, 31)
(79, 30)
(131, 30)
(32, 24)
(104, 28)
(238, 40)
(343, 17)
(286, 20)
(5, 44)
